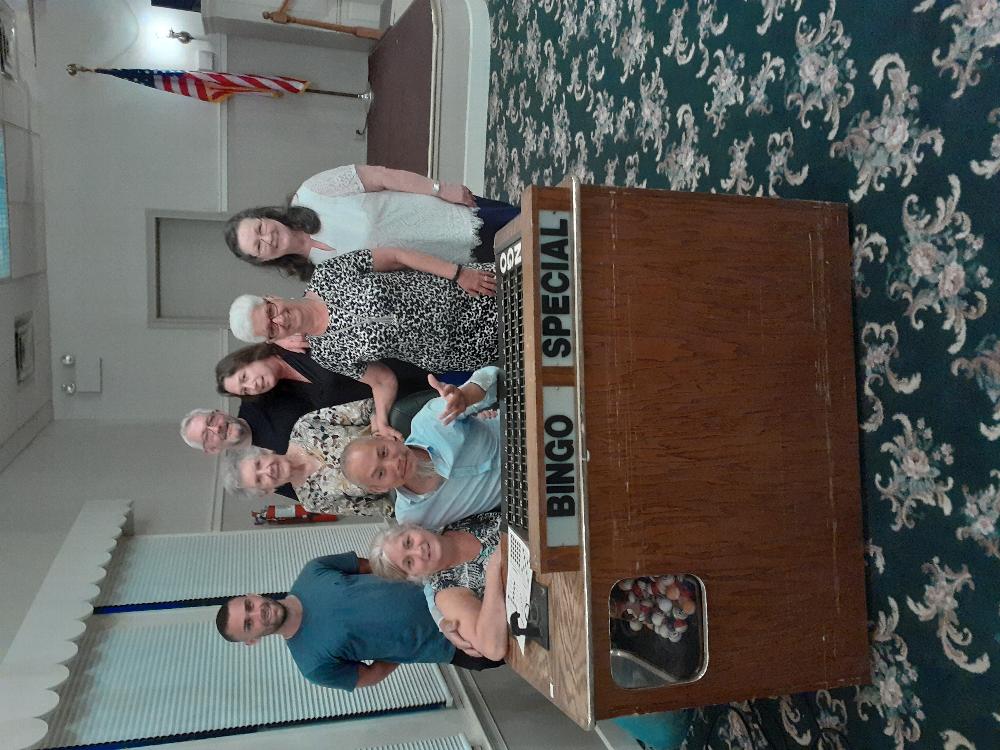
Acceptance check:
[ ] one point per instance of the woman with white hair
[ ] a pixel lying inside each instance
(311, 464)
(461, 565)
(354, 207)
(365, 307)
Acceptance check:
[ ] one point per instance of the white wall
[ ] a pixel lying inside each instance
(72, 461)
(24, 407)
(273, 145)
(244, 18)
(113, 149)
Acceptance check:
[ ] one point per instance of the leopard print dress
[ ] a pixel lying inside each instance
(416, 317)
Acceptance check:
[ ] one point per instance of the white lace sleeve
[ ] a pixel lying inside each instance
(334, 183)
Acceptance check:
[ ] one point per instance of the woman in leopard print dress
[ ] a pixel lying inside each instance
(416, 317)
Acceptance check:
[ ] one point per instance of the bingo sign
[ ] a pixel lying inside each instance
(555, 279)
(560, 462)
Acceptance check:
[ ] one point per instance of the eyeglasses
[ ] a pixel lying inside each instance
(210, 439)
(259, 244)
(271, 311)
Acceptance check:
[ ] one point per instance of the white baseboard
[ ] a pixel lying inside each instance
(466, 692)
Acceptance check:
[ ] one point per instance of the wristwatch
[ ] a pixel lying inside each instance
(435, 187)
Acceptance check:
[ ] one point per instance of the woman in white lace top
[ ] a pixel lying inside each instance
(364, 207)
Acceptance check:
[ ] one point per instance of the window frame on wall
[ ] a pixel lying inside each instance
(154, 296)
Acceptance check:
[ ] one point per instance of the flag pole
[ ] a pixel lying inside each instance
(365, 96)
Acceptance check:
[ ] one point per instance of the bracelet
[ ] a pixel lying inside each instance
(435, 187)
(458, 271)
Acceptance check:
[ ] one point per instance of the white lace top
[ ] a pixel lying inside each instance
(351, 219)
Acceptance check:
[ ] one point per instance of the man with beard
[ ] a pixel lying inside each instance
(336, 616)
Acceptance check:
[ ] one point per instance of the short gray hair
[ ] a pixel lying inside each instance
(239, 318)
(187, 421)
(346, 458)
(379, 560)
(231, 469)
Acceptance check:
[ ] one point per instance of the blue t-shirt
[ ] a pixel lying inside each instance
(349, 618)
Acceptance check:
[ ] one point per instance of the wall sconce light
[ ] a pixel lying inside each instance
(181, 36)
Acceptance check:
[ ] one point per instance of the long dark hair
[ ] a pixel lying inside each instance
(293, 217)
(233, 361)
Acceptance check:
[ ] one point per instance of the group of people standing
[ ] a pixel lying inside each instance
(399, 288)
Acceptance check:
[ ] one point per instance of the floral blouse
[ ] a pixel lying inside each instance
(324, 434)
(471, 575)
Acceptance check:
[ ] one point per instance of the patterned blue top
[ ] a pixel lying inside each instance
(472, 574)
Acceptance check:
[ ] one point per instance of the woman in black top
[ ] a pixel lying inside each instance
(252, 371)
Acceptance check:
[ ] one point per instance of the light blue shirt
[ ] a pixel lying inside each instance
(466, 453)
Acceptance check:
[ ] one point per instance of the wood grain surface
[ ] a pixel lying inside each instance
(722, 432)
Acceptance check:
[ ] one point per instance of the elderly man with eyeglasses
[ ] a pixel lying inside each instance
(213, 431)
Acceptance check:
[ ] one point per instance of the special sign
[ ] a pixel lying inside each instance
(555, 280)
(560, 459)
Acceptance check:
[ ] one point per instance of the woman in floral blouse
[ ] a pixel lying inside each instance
(312, 463)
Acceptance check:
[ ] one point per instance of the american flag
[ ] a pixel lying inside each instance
(209, 87)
